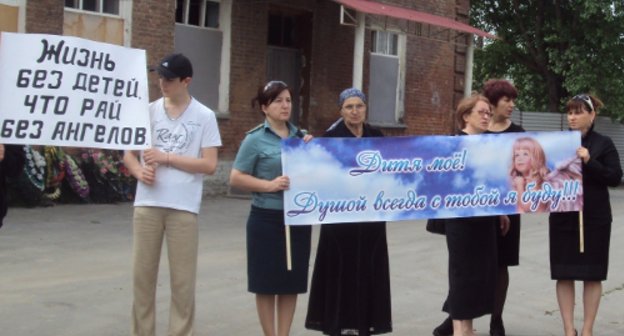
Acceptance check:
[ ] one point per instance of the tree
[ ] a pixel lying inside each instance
(553, 49)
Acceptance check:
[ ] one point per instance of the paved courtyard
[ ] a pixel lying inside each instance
(66, 271)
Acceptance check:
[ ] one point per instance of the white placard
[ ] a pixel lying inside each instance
(68, 91)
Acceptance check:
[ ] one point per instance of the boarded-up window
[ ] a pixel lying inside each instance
(203, 48)
(197, 35)
(94, 27)
(8, 18)
(385, 103)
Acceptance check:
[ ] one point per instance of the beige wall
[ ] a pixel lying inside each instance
(94, 27)
(8, 18)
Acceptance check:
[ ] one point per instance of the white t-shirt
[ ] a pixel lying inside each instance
(195, 129)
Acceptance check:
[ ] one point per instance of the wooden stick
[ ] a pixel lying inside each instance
(288, 254)
(581, 232)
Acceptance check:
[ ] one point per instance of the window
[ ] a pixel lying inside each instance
(203, 33)
(384, 42)
(387, 78)
(98, 6)
(202, 13)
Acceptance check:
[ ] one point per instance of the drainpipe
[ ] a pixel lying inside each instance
(469, 64)
(358, 50)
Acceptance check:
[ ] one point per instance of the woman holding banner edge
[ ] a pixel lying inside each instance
(568, 262)
(257, 168)
(350, 290)
(471, 241)
(502, 95)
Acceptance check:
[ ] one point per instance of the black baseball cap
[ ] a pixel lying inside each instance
(174, 66)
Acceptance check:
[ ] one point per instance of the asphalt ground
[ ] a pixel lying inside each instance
(66, 271)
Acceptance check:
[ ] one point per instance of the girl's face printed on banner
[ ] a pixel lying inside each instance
(522, 161)
(353, 111)
(279, 109)
(478, 120)
(504, 107)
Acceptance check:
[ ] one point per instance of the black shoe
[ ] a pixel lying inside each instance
(496, 327)
(444, 329)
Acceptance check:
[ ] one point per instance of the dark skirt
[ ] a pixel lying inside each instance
(350, 291)
(267, 271)
(509, 244)
(566, 260)
(473, 266)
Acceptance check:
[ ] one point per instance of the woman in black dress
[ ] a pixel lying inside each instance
(601, 169)
(350, 291)
(502, 96)
(471, 241)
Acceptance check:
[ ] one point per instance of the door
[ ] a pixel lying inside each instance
(288, 45)
(284, 64)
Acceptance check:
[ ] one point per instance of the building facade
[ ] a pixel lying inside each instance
(413, 72)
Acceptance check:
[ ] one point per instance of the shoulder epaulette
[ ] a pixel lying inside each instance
(260, 126)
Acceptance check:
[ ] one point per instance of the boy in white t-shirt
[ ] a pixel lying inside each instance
(185, 138)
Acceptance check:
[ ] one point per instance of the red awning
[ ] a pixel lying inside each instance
(371, 7)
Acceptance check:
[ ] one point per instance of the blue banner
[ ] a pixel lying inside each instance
(334, 180)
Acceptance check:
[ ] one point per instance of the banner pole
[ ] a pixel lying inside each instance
(288, 254)
(581, 233)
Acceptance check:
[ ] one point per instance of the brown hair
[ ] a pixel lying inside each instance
(579, 103)
(465, 107)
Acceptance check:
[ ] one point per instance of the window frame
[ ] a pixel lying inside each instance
(400, 48)
(375, 39)
(100, 7)
(202, 14)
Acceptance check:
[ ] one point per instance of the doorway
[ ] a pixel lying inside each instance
(288, 54)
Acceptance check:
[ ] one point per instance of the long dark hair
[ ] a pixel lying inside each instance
(267, 93)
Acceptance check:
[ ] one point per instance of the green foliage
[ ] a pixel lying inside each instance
(552, 50)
